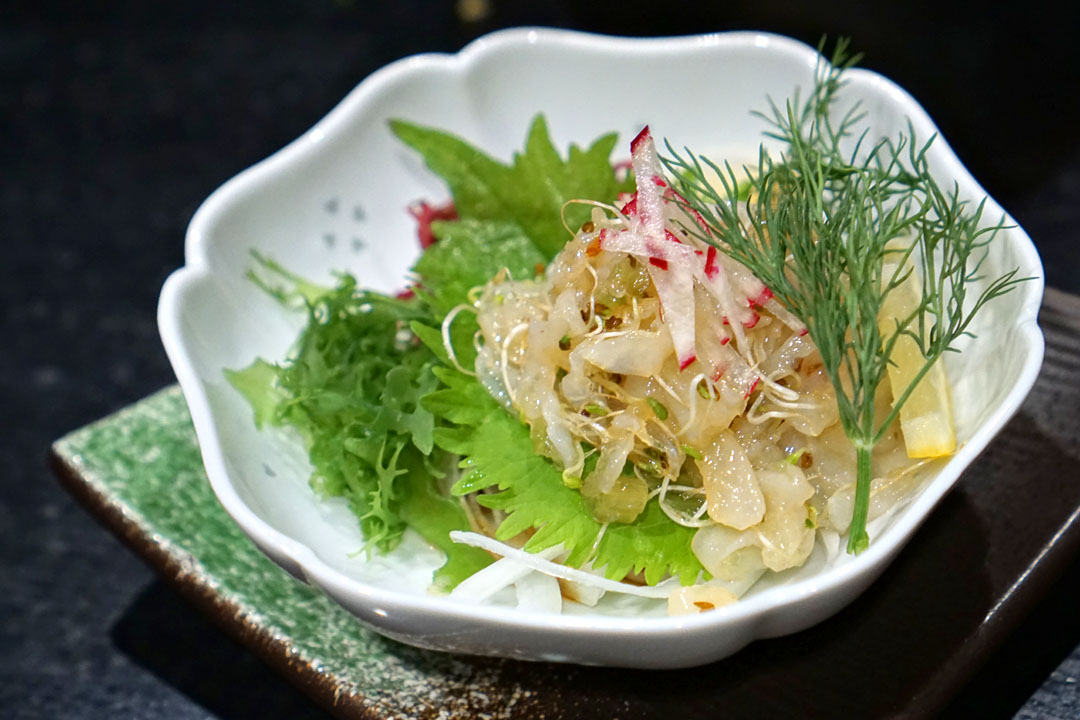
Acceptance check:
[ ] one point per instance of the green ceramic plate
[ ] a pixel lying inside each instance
(979, 563)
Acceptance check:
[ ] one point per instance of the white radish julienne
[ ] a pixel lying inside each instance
(537, 592)
(674, 266)
(535, 562)
(481, 585)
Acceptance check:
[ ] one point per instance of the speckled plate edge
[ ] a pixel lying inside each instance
(186, 575)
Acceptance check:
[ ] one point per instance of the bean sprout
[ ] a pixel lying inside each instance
(448, 344)
(505, 364)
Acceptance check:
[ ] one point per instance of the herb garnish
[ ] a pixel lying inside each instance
(822, 217)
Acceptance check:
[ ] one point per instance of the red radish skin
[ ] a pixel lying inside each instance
(754, 318)
(673, 193)
(426, 214)
(641, 137)
(710, 263)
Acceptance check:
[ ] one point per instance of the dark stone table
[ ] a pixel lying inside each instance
(115, 122)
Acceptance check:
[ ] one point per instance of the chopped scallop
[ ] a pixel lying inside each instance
(675, 285)
(611, 495)
(636, 352)
(729, 555)
(786, 536)
(731, 487)
(696, 599)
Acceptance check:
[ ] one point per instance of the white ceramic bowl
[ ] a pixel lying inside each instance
(335, 200)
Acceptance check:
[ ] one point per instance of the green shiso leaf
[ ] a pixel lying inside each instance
(529, 193)
(498, 454)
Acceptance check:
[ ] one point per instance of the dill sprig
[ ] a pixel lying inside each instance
(820, 221)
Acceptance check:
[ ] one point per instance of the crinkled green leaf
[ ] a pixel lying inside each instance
(352, 389)
(531, 192)
(498, 453)
(469, 253)
(258, 384)
(434, 515)
(400, 410)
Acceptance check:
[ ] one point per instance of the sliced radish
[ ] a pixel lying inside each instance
(645, 247)
(650, 203)
(672, 264)
(763, 297)
(720, 288)
(675, 266)
(681, 202)
(748, 285)
(711, 268)
(675, 286)
(534, 561)
(639, 139)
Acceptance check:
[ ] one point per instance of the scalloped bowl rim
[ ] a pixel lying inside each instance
(766, 603)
